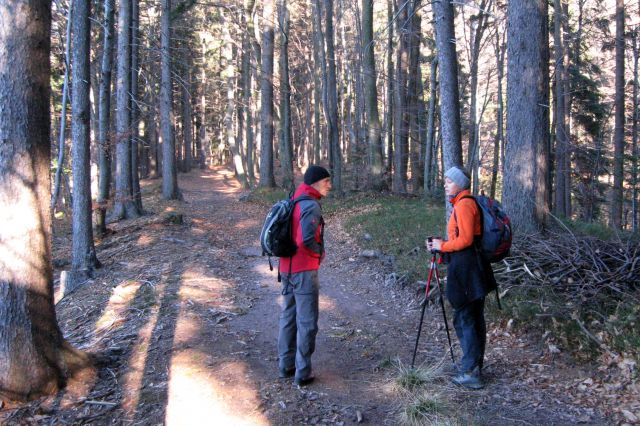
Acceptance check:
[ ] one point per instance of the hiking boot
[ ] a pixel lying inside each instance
(468, 380)
(304, 382)
(286, 373)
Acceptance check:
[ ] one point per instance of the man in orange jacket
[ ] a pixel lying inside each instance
(469, 276)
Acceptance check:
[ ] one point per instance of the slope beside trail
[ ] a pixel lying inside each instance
(184, 320)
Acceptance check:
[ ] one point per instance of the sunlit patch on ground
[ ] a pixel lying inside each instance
(115, 312)
(145, 240)
(137, 361)
(200, 395)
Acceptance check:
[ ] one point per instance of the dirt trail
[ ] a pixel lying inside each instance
(184, 318)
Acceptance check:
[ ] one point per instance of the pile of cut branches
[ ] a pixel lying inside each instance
(583, 266)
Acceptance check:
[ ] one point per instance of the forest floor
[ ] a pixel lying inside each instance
(183, 318)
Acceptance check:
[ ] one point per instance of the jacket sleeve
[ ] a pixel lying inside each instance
(310, 219)
(466, 214)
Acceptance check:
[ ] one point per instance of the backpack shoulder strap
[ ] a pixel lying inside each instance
(479, 237)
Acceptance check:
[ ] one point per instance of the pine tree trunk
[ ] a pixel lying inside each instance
(524, 189)
(267, 179)
(34, 357)
(478, 26)
(390, 89)
(170, 189)
(374, 140)
(561, 134)
(187, 125)
(332, 102)
(135, 109)
(414, 76)
(449, 92)
(230, 79)
(104, 118)
(83, 252)
(286, 156)
(634, 134)
(124, 206)
(429, 160)
(400, 124)
(63, 113)
(498, 145)
(618, 152)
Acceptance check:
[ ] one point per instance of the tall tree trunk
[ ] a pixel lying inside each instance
(618, 152)
(124, 207)
(34, 357)
(267, 178)
(561, 134)
(104, 118)
(390, 89)
(413, 108)
(499, 48)
(83, 252)
(230, 79)
(400, 124)
(170, 190)
(246, 89)
(332, 102)
(634, 132)
(449, 92)
(524, 193)
(187, 116)
(286, 156)
(136, 195)
(478, 26)
(318, 72)
(429, 162)
(63, 111)
(374, 139)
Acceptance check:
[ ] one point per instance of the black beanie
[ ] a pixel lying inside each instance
(314, 174)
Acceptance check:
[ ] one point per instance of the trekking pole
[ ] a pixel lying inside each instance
(424, 306)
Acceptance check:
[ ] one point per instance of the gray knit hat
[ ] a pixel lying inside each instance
(459, 176)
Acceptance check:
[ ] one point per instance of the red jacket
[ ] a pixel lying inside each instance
(307, 228)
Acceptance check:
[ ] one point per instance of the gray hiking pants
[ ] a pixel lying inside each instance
(298, 322)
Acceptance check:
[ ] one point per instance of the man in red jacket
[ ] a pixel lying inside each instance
(299, 316)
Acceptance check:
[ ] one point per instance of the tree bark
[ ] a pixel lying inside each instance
(332, 102)
(63, 112)
(286, 156)
(374, 139)
(400, 123)
(124, 206)
(562, 151)
(35, 358)
(83, 252)
(230, 79)
(104, 119)
(478, 25)
(498, 145)
(135, 109)
(170, 190)
(634, 133)
(267, 179)
(449, 92)
(618, 151)
(524, 190)
(429, 163)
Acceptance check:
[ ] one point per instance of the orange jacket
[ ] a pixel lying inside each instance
(462, 232)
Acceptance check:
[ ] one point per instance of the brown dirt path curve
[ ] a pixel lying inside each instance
(184, 318)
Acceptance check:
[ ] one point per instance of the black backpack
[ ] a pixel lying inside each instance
(275, 237)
